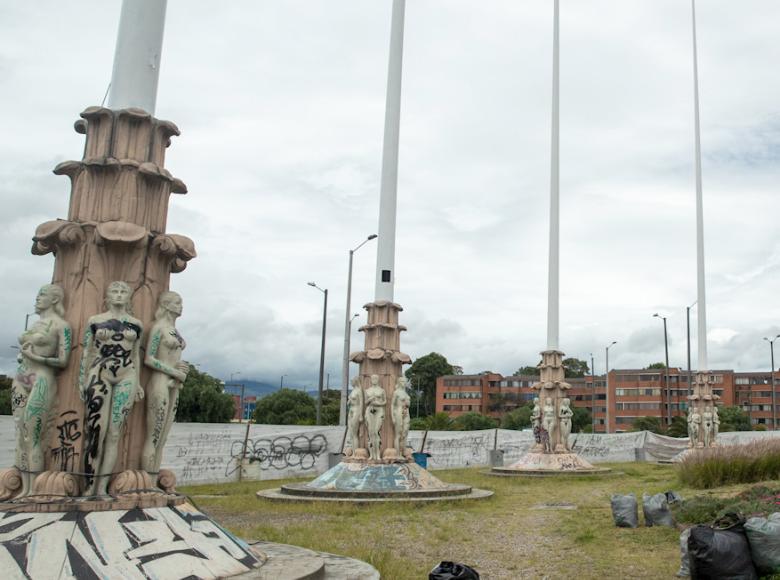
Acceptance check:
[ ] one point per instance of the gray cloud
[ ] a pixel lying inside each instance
(281, 111)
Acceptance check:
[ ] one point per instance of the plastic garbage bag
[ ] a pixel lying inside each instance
(625, 511)
(656, 510)
(685, 563)
(720, 554)
(763, 535)
(672, 497)
(453, 571)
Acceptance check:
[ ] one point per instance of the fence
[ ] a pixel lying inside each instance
(215, 453)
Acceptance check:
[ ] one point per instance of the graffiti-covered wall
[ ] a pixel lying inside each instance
(215, 453)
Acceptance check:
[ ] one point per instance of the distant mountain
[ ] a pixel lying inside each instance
(261, 389)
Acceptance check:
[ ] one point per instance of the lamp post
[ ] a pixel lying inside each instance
(241, 404)
(593, 394)
(606, 375)
(27, 319)
(688, 332)
(322, 349)
(347, 332)
(666, 372)
(771, 342)
(281, 382)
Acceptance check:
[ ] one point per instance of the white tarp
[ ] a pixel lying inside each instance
(214, 453)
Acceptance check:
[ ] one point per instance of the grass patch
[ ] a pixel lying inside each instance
(749, 463)
(503, 537)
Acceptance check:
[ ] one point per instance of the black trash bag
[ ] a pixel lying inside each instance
(720, 554)
(685, 561)
(625, 511)
(672, 497)
(453, 571)
(763, 535)
(656, 510)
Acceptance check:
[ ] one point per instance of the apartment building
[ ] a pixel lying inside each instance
(632, 393)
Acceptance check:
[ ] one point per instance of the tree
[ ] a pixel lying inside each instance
(678, 428)
(423, 374)
(575, 368)
(473, 421)
(655, 366)
(526, 371)
(581, 420)
(517, 419)
(202, 400)
(733, 419)
(439, 422)
(5, 395)
(652, 424)
(331, 404)
(287, 407)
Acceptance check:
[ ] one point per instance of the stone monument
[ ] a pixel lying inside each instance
(378, 465)
(703, 420)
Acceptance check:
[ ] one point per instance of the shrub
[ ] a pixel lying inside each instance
(759, 500)
(707, 468)
(473, 421)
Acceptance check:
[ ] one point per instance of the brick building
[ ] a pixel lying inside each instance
(632, 393)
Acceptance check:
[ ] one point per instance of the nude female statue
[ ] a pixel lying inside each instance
(400, 406)
(109, 383)
(163, 357)
(376, 400)
(536, 424)
(694, 427)
(548, 423)
(355, 418)
(707, 426)
(715, 425)
(44, 350)
(564, 415)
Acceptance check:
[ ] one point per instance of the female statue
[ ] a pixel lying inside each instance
(44, 350)
(694, 427)
(536, 424)
(355, 415)
(564, 415)
(400, 406)
(109, 383)
(163, 357)
(376, 400)
(707, 426)
(715, 425)
(548, 424)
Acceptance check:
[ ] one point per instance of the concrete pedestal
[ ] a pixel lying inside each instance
(541, 464)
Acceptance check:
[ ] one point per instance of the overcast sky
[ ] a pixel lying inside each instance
(281, 108)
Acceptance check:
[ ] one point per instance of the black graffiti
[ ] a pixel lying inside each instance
(97, 391)
(278, 453)
(68, 433)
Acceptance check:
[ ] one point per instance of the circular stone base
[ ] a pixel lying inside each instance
(549, 464)
(285, 562)
(366, 482)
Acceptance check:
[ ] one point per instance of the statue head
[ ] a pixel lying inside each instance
(565, 402)
(50, 296)
(536, 400)
(401, 383)
(356, 382)
(119, 294)
(169, 302)
(374, 380)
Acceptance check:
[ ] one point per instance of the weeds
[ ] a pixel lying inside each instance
(753, 462)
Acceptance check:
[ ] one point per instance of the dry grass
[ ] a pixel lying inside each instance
(505, 537)
(749, 463)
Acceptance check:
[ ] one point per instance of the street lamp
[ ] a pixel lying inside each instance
(593, 394)
(606, 363)
(281, 382)
(322, 349)
(688, 331)
(347, 332)
(241, 413)
(666, 373)
(771, 342)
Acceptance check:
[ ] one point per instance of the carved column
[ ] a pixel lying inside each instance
(383, 357)
(115, 230)
(552, 385)
(703, 405)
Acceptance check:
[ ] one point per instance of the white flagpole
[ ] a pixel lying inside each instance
(553, 266)
(702, 302)
(385, 253)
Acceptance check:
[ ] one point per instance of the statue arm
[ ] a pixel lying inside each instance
(139, 390)
(86, 346)
(60, 361)
(156, 364)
